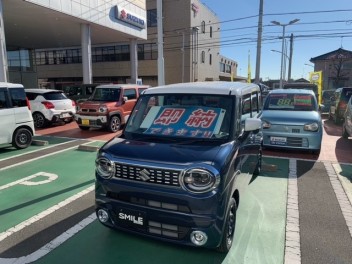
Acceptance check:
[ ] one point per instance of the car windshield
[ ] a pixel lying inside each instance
(290, 102)
(54, 96)
(188, 116)
(106, 94)
(346, 94)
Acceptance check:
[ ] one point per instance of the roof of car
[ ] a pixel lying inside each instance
(217, 87)
(41, 91)
(122, 86)
(10, 85)
(292, 91)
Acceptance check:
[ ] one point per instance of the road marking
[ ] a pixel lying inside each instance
(341, 196)
(26, 180)
(33, 151)
(52, 244)
(292, 245)
(41, 215)
(30, 160)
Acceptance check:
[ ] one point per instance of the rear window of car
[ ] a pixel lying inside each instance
(18, 97)
(54, 96)
(288, 101)
(346, 94)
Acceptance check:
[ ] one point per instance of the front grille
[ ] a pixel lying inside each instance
(294, 142)
(167, 230)
(147, 202)
(148, 175)
(84, 110)
(295, 130)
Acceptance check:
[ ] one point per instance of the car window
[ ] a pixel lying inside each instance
(3, 101)
(346, 94)
(183, 116)
(54, 96)
(18, 97)
(130, 94)
(293, 102)
(106, 94)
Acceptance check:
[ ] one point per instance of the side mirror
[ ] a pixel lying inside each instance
(251, 124)
(125, 98)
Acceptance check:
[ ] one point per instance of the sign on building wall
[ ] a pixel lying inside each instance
(128, 17)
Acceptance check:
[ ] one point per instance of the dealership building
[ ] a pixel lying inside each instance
(54, 44)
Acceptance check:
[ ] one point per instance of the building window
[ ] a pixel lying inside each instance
(203, 26)
(210, 59)
(152, 18)
(211, 32)
(203, 56)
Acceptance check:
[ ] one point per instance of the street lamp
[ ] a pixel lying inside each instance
(284, 67)
(283, 42)
(309, 65)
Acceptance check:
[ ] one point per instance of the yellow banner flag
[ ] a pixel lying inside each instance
(249, 69)
(316, 78)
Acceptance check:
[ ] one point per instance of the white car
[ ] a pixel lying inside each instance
(16, 122)
(50, 106)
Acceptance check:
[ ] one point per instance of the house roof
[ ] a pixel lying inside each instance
(333, 55)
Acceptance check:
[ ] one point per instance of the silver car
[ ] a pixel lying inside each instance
(347, 124)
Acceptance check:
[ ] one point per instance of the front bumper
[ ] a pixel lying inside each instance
(169, 215)
(91, 121)
(303, 140)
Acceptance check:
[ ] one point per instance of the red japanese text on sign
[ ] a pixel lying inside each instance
(200, 118)
(169, 116)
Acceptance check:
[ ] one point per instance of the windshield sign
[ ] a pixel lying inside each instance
(299, 102)
(194, 122)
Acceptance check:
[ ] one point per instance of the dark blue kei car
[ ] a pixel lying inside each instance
(183, 161)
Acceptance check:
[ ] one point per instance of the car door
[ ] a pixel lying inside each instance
(130, 99)
(7, 117)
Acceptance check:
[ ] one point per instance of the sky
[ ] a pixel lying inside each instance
(323, 26)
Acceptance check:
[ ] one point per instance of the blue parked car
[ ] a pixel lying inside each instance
(182, 164)
(291, 120)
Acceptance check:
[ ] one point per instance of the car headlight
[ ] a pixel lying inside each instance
(311, 127)
(105, 167)
(266, 124)
(103, 109)
(199, 180)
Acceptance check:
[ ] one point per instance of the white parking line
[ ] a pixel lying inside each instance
(292, 243)
(41, 215)
(52, 244)
(341, 196)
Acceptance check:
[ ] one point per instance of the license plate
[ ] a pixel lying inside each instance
(131, 218)
(65, 115)
(85, 122)
(278, 140)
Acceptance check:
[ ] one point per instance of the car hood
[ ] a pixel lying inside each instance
(174, 153)
(290, 117)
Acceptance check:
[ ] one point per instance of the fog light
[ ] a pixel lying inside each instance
(199, 238)
(103, 215)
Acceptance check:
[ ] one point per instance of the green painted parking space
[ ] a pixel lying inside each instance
(31, 188)
(52, 141)
(259, 236)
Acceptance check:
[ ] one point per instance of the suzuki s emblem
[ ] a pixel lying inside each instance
(144, 175)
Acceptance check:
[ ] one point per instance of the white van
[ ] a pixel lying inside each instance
(16, 121)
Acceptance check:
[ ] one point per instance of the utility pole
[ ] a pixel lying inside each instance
(290, 58)
(161, 72)
(259, 42)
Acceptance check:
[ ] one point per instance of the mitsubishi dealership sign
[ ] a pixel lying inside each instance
(128, 17)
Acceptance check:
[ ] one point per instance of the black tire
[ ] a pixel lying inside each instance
(39, 120)
(83, 127)
(344, 132)
(114, 124)
(229, 230)
(22, 138)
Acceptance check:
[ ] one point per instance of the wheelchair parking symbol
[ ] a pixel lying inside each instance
(30, 180)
